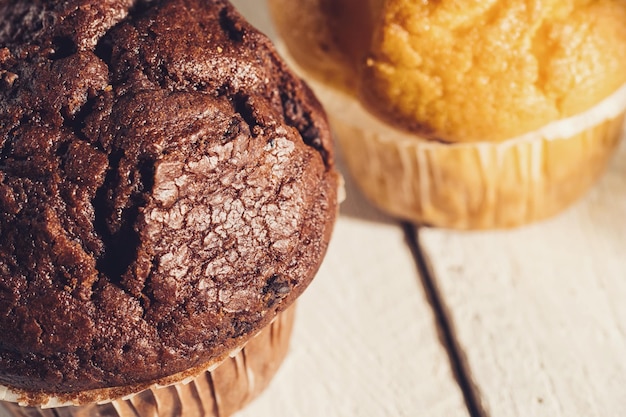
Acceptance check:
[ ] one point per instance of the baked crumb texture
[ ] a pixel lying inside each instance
(472, 71)
(166, 187)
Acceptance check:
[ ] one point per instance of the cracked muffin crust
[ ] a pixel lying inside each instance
(166, 188)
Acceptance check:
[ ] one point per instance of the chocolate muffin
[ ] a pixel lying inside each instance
(167, 188)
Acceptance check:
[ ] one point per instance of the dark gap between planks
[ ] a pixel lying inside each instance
(460, 368)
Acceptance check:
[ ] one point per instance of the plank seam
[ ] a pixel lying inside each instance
(456, 355)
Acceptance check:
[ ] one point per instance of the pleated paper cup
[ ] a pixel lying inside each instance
(216, 392)
(481, 185)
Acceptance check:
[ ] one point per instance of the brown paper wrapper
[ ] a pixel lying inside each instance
(217, 393)
(476, 186)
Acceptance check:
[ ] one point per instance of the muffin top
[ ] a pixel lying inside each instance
(166, 188)
(479, 70)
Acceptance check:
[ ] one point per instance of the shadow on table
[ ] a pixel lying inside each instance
(355, 204)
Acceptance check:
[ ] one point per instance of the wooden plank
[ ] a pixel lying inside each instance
(540, 312)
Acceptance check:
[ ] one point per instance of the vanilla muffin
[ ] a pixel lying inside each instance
(167, 191)
(473, 114)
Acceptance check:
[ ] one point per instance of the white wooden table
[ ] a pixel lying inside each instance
(407, 322)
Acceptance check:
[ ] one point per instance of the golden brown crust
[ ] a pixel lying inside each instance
(489, 71)
(497, 69)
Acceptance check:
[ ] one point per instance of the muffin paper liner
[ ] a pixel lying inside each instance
(217, 392)
(476, 187)
(480, 185)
